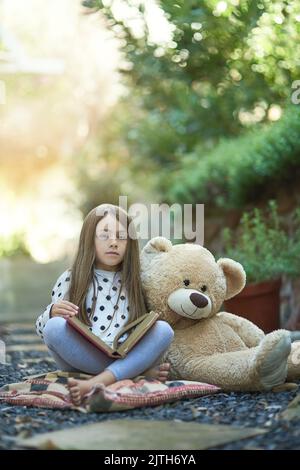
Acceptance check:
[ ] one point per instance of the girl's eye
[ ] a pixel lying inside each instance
(102, 236)
(105, 236)
(203, 288)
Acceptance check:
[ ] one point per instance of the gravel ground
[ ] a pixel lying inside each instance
(237, 409)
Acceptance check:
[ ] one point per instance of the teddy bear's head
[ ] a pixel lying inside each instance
(185, 280)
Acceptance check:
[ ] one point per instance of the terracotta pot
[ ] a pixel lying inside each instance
(259, 303)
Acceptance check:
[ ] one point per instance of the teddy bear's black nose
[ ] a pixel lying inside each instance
(199, 300)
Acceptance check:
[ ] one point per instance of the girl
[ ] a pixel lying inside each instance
(104, 289)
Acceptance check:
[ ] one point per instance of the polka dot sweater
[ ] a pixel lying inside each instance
(106, 321)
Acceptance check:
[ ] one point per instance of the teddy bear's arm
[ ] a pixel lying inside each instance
(247, 331)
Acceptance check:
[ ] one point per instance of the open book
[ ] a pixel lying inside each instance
(139, 327)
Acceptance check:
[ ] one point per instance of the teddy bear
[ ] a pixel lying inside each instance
(187, 286)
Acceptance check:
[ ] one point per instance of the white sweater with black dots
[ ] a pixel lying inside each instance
(106, 321)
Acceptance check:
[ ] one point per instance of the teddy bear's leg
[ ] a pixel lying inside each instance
(294, 362)
(271, 359)
(253, 369)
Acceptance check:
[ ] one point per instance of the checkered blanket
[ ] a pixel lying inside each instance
(50, 391)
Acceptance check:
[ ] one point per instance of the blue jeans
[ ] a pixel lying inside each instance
(72, 352)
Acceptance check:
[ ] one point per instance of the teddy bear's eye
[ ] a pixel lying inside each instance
(203, 288)
(186, 282)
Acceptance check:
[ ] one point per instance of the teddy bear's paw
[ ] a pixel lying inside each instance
(271, 359)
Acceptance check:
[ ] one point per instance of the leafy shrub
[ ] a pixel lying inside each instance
(13, 245)
(263, 247)
(239, 169)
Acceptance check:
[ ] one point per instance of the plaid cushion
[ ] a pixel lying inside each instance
(50, 391)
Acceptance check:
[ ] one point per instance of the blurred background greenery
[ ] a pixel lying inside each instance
(162, 101)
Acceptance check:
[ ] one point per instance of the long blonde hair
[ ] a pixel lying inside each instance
(84, 262)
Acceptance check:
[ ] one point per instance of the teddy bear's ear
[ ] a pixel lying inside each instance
(157, 245)
(235, 276)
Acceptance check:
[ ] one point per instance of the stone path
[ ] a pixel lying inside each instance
(230, 415)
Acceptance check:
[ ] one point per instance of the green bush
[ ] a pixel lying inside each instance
(239, 169)
(191, 89)
(13, 245)
(263, 247)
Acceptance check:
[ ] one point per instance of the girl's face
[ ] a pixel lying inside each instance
(110, 243)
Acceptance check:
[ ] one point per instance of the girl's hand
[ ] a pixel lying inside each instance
(64, 309)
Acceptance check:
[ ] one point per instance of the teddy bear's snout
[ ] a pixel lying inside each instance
(190, 303)
(198, 300)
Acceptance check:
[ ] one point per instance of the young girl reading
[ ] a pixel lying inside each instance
(103, 288)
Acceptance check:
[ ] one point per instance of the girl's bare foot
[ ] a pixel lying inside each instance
(160, 372)
(79, 388)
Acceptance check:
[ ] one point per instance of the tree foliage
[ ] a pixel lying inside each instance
(224, 67)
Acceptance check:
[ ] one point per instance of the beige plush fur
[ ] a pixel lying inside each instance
(188, 286)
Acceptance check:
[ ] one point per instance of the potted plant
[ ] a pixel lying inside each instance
(267, 252)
